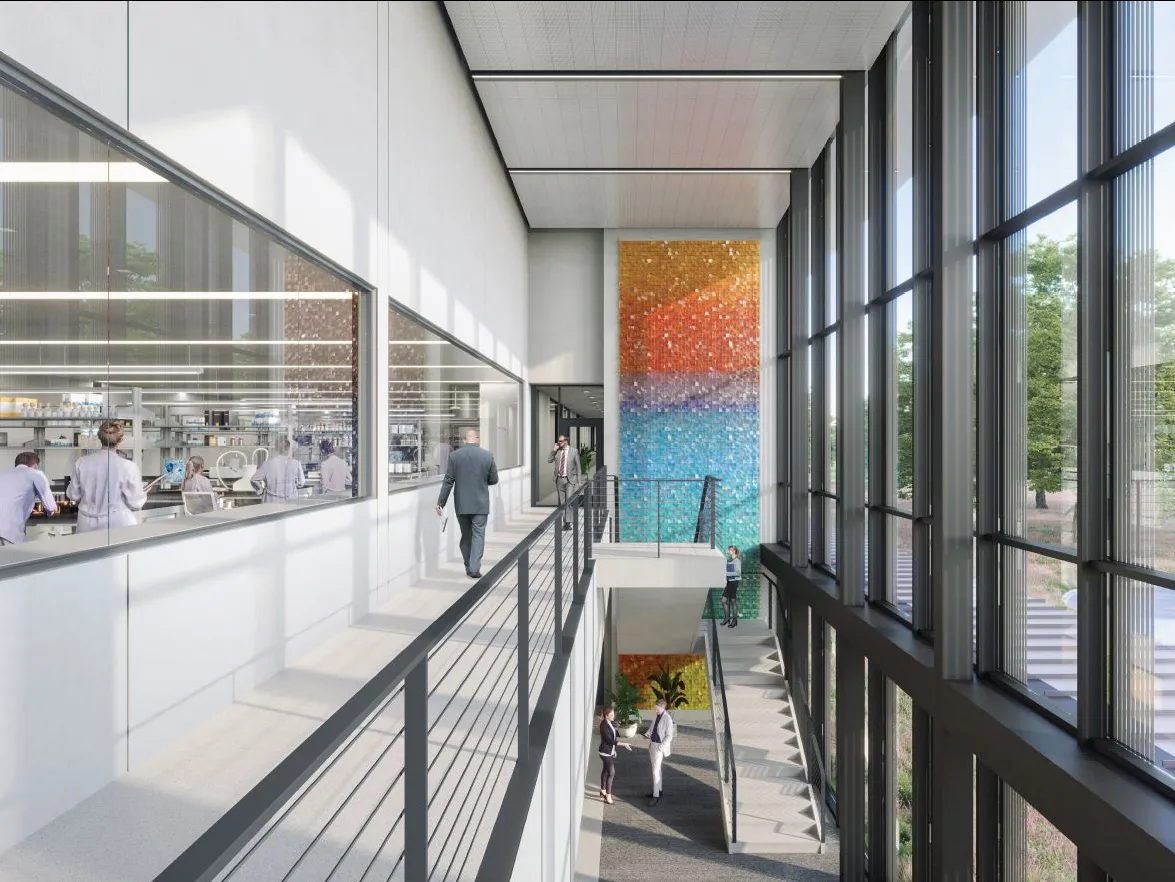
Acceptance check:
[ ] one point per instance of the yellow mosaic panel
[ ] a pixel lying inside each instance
(638, 669)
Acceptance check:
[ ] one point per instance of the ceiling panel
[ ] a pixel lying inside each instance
(746, 201)
(603, 35)
(675, 124)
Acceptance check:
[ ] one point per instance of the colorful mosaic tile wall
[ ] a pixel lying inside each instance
(638, 669)
(689, 392)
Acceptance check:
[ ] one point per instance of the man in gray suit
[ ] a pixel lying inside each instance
(473, 471)
(566, 473)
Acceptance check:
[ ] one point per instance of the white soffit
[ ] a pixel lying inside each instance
(715, 36)
(662, 124)
(747, 201)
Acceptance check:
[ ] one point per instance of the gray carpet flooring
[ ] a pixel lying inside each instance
(681, 838)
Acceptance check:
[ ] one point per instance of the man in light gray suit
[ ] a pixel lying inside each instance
(566, 473)
(473, 471)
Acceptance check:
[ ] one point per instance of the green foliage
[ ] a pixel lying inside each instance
(905, 414)
(587, 455)
(669, 687)
(625, 700)
(1051, 268)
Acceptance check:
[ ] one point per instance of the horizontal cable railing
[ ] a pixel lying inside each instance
(726, 758)
(780, 620)
(664, 511)
(408, 779)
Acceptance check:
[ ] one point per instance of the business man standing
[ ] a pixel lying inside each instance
(473, 471)
(566, 473)
(660, 734)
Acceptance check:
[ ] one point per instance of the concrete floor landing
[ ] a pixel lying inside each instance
(681, 839)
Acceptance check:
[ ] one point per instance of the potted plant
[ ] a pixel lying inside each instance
(669, 686)
(587, 456)
(625, 700)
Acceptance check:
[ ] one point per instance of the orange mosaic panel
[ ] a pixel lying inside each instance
(638, 669)
(671, 290)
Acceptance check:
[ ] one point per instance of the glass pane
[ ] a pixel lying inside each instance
(1039, 626)
(900, 532)
(1142, 660)
(900, 401)
(1147, 103)
(905, 808)
(162, 359)
(830, 398)
(1040, 43)
(830, 507)
(831, 313)
(901, 157)
(1040, 392)
(1034, 845)
(441, 397)
(1146, 294)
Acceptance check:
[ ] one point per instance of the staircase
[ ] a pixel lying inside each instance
(775, 811)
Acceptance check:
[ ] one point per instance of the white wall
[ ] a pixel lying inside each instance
(566, 306)
(550, 839)
(767, 349)
(354, 127)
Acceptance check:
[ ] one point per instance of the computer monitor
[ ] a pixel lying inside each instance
(199, 503)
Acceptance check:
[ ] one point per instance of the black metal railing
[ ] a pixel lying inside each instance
(664, 511)
(779, 619)
(427, 769)
(726, 756)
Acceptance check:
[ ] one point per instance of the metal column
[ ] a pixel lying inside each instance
(852, 194)
(952, 815)
(923, 352)
(798, 435)
(988, 317)
(951, 569)
(850, 759)
(883, 777)
(878, 575)
(1095, 281)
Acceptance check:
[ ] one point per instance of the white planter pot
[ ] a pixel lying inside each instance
(628, 731)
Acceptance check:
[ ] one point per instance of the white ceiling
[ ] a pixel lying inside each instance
(653, 201)
(601, 122)
(677, 124)
(723, 35)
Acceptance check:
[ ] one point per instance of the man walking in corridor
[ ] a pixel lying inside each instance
(660, 735)
(472, 471)
(566, 464)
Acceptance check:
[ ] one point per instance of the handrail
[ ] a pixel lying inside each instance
(659, 510)
(407, 672)
(810, 753)
(731, 772)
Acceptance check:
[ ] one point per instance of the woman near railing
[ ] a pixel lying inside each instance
(734, 575)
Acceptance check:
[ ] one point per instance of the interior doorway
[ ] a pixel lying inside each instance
(576, 411)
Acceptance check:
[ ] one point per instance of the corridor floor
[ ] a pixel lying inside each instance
(681, 839)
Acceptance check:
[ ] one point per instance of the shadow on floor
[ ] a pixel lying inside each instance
(682, 838)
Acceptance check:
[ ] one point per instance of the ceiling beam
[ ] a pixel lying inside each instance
(638, 170)
(532, 76)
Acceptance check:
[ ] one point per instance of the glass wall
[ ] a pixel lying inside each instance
(437, 392)
(153, 341)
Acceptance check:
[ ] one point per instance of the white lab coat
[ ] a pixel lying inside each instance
(335, 474)
(279, 479)
(108, 490)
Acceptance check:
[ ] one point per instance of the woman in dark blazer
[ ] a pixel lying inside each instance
(608, 742)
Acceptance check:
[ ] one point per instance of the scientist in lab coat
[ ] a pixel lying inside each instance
(20, 487)
(333, 470)
(108, 489)
(280, 477)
